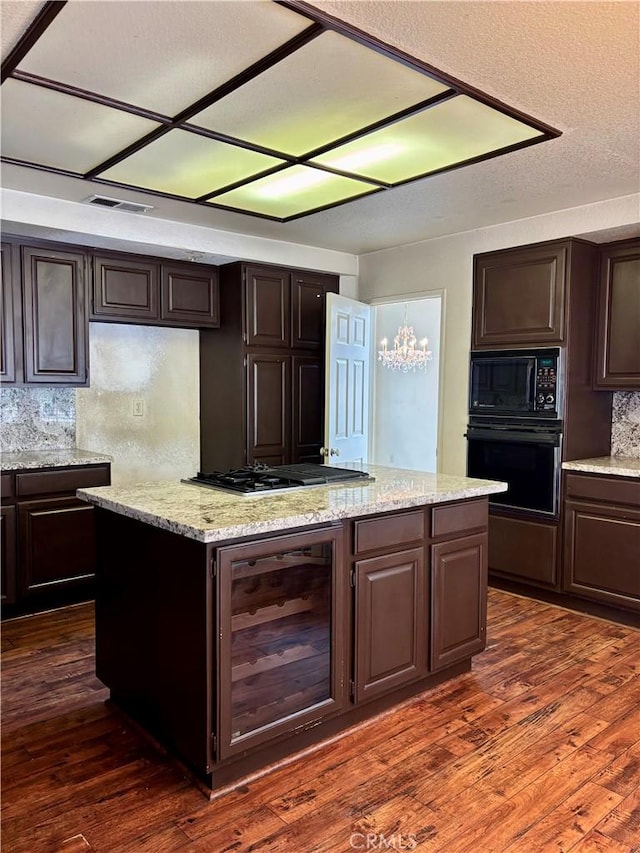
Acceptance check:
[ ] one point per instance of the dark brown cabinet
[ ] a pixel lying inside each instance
(519, 297)
(49, 535)
(56, 330)
(524, 549)
(269, 407)
(458, 599)
(189, 296)
(391, 639)
(267, 646)
(602, 539)
(125, 289)
(268, 299)
(145, 290)
(262, 373)
(618, 329)
(45, 323)
(8, 317)
(8, 554)
(307, 377)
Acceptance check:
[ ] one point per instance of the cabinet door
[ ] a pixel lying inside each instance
(8, 554)
(7, 339)
(618, 336)
(602, 553)
(268, 307)
(524, 550)
(391, 635)
(57, 544)
(281, 636)
(125, 289)
(308, 308)
(55, 317)
(268, 408)
(518, 297)
(190, 295)
(308, 408)
(459, 599)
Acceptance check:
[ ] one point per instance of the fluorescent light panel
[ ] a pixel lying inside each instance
(326, 89)
(162, 58)
(292, 191)
(443, 135)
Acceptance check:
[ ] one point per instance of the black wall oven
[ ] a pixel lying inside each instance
(525, 457)
(515, 426)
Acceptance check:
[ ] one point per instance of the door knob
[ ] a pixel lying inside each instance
(324, 451)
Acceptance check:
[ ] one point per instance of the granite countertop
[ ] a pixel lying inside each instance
(612, 466)
(208, 515)
(61, 458)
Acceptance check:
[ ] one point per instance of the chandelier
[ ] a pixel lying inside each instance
(405, 356)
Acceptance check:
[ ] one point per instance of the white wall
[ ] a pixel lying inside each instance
(405, 405)
(160, 367)
(447, 263)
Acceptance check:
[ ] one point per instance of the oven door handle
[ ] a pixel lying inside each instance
(551, 438)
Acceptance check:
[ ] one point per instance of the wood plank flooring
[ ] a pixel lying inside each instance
(537, 749)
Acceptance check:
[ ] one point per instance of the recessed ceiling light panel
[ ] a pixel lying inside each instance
(275, 109)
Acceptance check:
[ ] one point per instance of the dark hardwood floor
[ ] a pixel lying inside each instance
(537, 749)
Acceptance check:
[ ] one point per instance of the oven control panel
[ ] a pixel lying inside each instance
(546, 385)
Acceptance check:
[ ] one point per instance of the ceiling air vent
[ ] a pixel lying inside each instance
(118, 204)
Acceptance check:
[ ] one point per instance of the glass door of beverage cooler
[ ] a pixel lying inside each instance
(281, 617)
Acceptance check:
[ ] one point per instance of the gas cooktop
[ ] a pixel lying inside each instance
(252, 479)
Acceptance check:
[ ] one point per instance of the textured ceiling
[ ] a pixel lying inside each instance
(574, 65)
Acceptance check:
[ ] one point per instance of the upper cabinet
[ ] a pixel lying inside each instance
(137, 289)
(7, 317)
(519, 296)
(44, 316)
(262, 373)
(618, 327)
(56, 333)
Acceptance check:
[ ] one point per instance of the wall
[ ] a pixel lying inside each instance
(625, 424)
(405, 410)
(158, 367)
(447, 263)
(37, 418)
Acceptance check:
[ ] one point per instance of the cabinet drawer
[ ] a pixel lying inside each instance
(7, 485)
(611, 489)
(65, 480)
(448, 520)
(388, 531)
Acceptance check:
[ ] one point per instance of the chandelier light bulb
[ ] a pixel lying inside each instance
(404, 356)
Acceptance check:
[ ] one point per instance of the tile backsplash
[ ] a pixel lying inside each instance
(37, 418)
(625, 424)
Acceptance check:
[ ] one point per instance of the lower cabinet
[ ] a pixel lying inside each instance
(58, 544)
(524, 550)
(267, 646)
(458, 599)
(390, 622)
(48, 536)
(8, 554)
(602, 539)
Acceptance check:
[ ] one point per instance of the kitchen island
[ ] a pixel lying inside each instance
(238, 630)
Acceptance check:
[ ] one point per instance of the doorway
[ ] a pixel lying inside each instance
(405, 406)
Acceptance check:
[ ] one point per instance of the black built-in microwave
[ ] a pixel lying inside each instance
(516, 383)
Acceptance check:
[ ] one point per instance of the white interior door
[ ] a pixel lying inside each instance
(348, 352)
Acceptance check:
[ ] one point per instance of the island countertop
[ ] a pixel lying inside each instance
(611, 466)
(207, 515)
